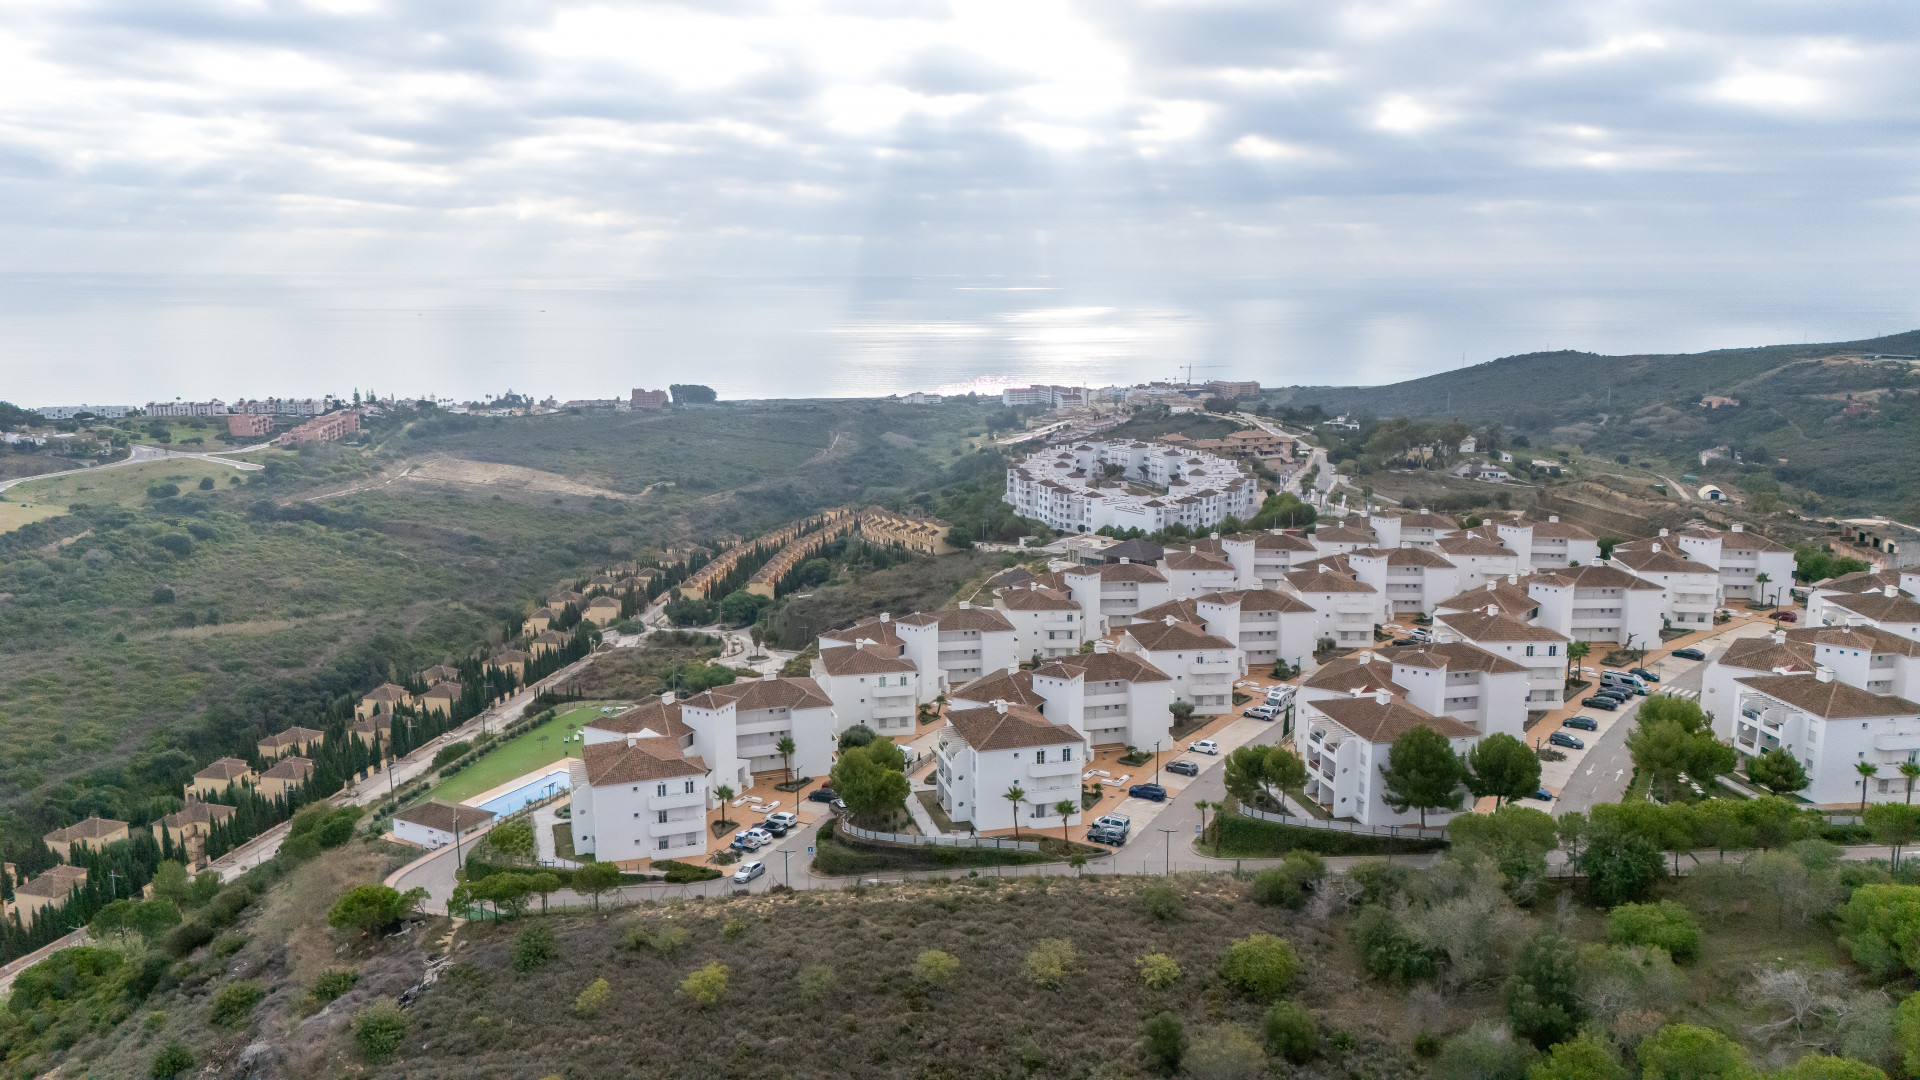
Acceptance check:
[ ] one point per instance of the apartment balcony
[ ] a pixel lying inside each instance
(893, 712)
(1054, 768)
(677, 800)
(1210, 667)
(677, 826)
(951, 657)
(1101, 712)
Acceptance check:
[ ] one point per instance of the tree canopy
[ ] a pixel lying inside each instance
(1423, 773)
(1502, 767)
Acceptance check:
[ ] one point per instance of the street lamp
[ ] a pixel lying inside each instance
(1169, 834)
(1156, 762)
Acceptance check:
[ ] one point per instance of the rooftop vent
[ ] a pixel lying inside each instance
(1383, 695)
(1823, 673)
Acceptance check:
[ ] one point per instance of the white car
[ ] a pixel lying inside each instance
(1262, 712)
(1204, 746)
(752, 839)
(783, 817)
(748, 871)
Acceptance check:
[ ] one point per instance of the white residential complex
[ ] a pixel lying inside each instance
(639, 798)
(1203, 666)
(984, 755)
(1089, 486)
(1346, 742)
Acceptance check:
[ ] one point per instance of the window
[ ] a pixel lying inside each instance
(663, 843)
(660, 790)
(663, 817)
(1529, 650)
(689, 787)
(1039, 810)
(1066, 752)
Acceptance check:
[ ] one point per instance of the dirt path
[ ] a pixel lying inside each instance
(442, 469)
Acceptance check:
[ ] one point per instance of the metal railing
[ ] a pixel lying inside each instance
(1431, 832)
(997, 843)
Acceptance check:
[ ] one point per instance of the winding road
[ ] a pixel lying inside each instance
(142, 453)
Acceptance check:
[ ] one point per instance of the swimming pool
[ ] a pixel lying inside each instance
(502, 805)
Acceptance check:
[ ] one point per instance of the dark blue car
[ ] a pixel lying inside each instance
(1149, 792)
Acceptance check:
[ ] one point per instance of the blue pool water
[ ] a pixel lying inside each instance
(557, 780)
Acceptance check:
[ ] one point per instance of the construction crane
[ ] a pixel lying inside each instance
(1189, 368)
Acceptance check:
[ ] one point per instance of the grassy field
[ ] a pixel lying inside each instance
(543, 745)
(121, 485)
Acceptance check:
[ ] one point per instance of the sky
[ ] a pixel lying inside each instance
(248, 197)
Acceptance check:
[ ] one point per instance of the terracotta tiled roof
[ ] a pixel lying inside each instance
(1901, 608)
(749, 695)
(1104, 667)
(1876, 639)
(872, 629)
(1513, 600)
(1665, 561)
(1861, 581)
(983, 619)
(442, 816)
(646, 759)
(1261, 600)
(227, 768)
(289, 768)
(1128, 571)
(864, 660)
(386, 692)
(1765, 654)
(1195, 560)
(1187, 611)
(196, 812)
(93, 828)
(1037, 600)
(1165, 637)
(1453, 656)
(54, 883)
(1594, 577)
(1425, 520)
(1830, 700)
(293, 736)
(1480, 626)
(1374, 722)
(1326, 582)
(1348, 674)
(1002, 685)
(653, 717)
(1472, 545)
(1558, 530)
(1406, 556)
(1020, 726)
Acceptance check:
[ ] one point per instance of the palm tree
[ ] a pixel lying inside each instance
(1576, 651)
(1066, 808)
(1203, 806)
(1014, 795)
(1867, 770)
(786, 748)
(725, 795)
(1910, 770)
(1763, 580)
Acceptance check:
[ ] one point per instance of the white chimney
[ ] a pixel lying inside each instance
(1366, 657)
(1383, 695)
(666, 697)
(1656, 547)
(1513, 579)
(1492, 585)
(966, 605)
(999, 705)
(1193, 549)
(633, 740)
(1213, 536)
(1823, 673)
(886, 616)
(1170, 620)
(1737, 527)
(1779, 636)
(1124, 560)
(1101, 647)
(769, 676)
(1553, 518)
(1889, 591)
(1493, 609)
(1663, 532)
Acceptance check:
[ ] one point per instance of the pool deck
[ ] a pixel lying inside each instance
(561, 766)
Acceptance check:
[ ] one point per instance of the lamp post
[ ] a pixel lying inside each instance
(1169, 834)
(1156, 762)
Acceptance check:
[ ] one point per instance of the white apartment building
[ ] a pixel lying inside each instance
(878, 631)
(737, 729)
(1478, 559)
(1347, 741)
(1599, 604)
(1510, 596)
(1113, 591)
(1692, 588)
(1338, 536)
(1831, 727)
(1742, 558)
(1046, 622)
(638, 798)
(1089, 486)
(1261, 560)
(1484, 691)
(1745, 658)
(1424, 530)
(1875, 660)
(952, 648)
(1411, 579)
(1348, 609)
(68, 412)
(1855, 584)
(1203, 666)
(1545, 545)
(870, 684)
(216, 407)
(1194, 572)
(1110, 698)
(1264, 625)
(984, 754)
(1538, 649)
(1889, 609)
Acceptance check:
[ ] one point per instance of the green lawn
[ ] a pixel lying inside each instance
(528, 751)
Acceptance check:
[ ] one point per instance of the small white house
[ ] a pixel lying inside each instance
(639, 798)
(434, 824)
(1347, 741)
(984, 754)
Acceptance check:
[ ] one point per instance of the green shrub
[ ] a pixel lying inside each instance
(935, 968)
(679, 873)
(450, 752)
(1287, 885)
(705, 985)
(1483, 1052)
(734, 926)
(1386, 948)
(533, 947)
(1880, 925)
(1663, 923)
(1688, 1052)
(592, 998)
(1581, 1058)
(816, 981)
(331, 984)
(1227, 1052)
(1906, 1034)
(1822, 1067)
(172, 1060)
(1163, 902)
(1542, 999)
(226, 945)
(1260, 965)
(1166, 1044)
(1292, 1032)
(1051, 961)
(379, 1029)
(1157, 970)
(234, 1004)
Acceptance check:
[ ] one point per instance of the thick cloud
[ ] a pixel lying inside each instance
(1369, 141)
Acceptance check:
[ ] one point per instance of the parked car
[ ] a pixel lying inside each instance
(775, 828)
(748, 871)
(1107, 834)
(1117, 821)
(1542, 794)
(1622, 683)
(1262, 712)
(1561, 738)
(1204, 746)
(751, 839)
(1421, 635)
(1149, 792)
(1644, 674)
(1584, 723)
(821, 794)
(1689, 654)
(784, 817)
(1784, 616)
(1602, 702)
(1184, 767)
(1404, 641)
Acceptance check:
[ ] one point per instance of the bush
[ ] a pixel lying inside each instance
(816, 981)
(331, 984)
(1687, 1052)
(1822, 1067)
(1483, 1053)
(663, 939)
(935, 968)
(705, 985)
(679, 873)
(172, 1060)
(1163, 902)
(1166, 1044)
(1541, 995)
(1157, 970)
(1906, 1034)
(1664, 923)
(1286, 885)
(592, 998)
(1227, 1052)
(379, 1029)
(1582, 1058)
(1260, 965)
(533, 947)
(1292, 1032)
(1880, 925)
(1387, 949)
(369, 907)
(1051, 961)
(234, 1004)
(450, 752)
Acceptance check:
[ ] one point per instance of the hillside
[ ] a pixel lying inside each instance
(1847, 425)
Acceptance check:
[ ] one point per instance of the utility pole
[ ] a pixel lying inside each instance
(1169, 833)
(456, 837)
(1156, 762)
(786, 866)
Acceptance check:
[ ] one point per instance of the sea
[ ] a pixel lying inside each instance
(132, 339)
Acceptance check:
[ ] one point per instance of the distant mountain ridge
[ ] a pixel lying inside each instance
(1842, 414)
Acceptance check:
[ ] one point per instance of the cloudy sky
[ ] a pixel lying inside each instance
(1408, 183)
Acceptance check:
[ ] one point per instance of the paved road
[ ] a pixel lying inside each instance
(140, 453)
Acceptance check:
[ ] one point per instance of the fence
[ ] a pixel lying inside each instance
(997, 843)
(1432, 832)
